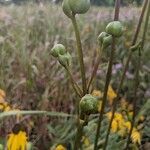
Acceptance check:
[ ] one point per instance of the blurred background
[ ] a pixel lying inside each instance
(33, 80)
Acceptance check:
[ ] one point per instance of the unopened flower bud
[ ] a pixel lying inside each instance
(101, 37)
(65, 59)
(107, 41)
(89, 104)
(66, 8)
(58, 49)
(79, 6)
(114, 28)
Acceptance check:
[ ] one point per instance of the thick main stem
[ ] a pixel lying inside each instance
(125, 70)
(80, 54)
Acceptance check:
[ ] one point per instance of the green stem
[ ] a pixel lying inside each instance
(124, 71)
(80, 54)
(74, 84)
(95, 68)
(108, 78)
(77, 143)
(135, 99)
(146, 25)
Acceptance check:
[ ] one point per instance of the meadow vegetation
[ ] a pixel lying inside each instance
(37, 90)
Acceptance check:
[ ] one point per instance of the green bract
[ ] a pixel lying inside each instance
(66, 8)
(114, 28)
(79, 6)
(107, 41)
(89, 104)
(101, 37)
(65, 59)
(58, 49)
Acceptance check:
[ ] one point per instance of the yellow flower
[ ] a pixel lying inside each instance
(86, 141)
(97, 93)
(136, 136)
(111, 94)
(60, 147)
(128, 125)
(114, 126)
(118, 117)
(4, 107)
(17, 139)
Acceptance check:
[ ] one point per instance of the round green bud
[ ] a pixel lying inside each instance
(1, 147)
(29, 146)
(89, 104)
(66, 8)
(101, 37)
(107, 41)
(79, 6)
(65, 59)
(58, 49)
(114, 28)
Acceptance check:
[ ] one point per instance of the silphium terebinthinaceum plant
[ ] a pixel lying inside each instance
(86, 103)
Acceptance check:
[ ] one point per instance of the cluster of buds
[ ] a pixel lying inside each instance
(113, 29)
(71, 7)
(59, 51)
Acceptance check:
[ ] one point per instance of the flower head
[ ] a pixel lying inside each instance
(136, 136)
(60, 147)
(111, 94)
(17, 140)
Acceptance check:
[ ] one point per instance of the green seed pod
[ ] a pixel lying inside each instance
(89, 104)
(101, 37)
(107, 41)
(65, 59)
(29, 146)
(1, 147)
(114, 28)
(66, 8)
(79, 6)
(58, 49)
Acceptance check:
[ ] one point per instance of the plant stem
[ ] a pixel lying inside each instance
(124, 71)
(108, 78)
(74, 84)
(146, 24)
(80, 54)
(77, 143)
(95, 68)
(136, 84)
